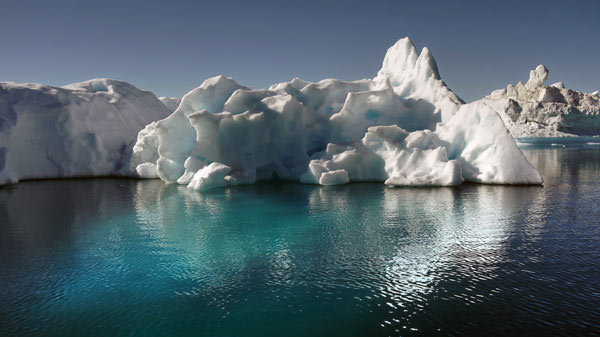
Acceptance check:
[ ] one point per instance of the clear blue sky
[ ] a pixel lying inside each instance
(170, 47)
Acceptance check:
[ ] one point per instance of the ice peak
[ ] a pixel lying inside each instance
(402, 61)
(538, 76)
(426, 66)
(399, 58)
(216, 81)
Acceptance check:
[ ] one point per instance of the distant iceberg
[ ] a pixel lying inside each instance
(170, 102)
(82, 129)
(536, 110)
(404, 127)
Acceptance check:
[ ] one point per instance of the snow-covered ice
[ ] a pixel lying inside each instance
(82, 129)
(403, 127)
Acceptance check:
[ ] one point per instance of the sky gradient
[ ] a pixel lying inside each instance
(171, 47)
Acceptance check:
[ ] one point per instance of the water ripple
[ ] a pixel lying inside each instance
(123, 257)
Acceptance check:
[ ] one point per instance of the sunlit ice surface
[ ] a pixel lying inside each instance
(104, 257)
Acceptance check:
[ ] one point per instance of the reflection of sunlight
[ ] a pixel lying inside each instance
(535, 220)
(490, 217)
(428, 217)
(282, 261)
(467, 230)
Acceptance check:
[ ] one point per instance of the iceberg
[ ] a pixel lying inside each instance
(81, 129)
(535, 110)
(170, 102)
(404, 127)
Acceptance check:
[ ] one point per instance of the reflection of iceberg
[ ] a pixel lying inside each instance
(150, 202)
(569, 172)
(467, 231)
(428, 219)
(71, 203)
(201, 234)
(419, 234)
(403, 127)
(376, 243)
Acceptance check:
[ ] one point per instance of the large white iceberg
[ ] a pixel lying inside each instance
(82, 129)
(537, 110)
(403, 127)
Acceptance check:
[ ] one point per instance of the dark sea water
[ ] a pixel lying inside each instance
(115, 257)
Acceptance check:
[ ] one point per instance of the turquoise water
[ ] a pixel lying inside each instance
(117, 257)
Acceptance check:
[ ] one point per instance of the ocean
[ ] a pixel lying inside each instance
(123, 257)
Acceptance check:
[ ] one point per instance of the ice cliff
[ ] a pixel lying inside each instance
(402, 127)
(82, 129)
(536, 110)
